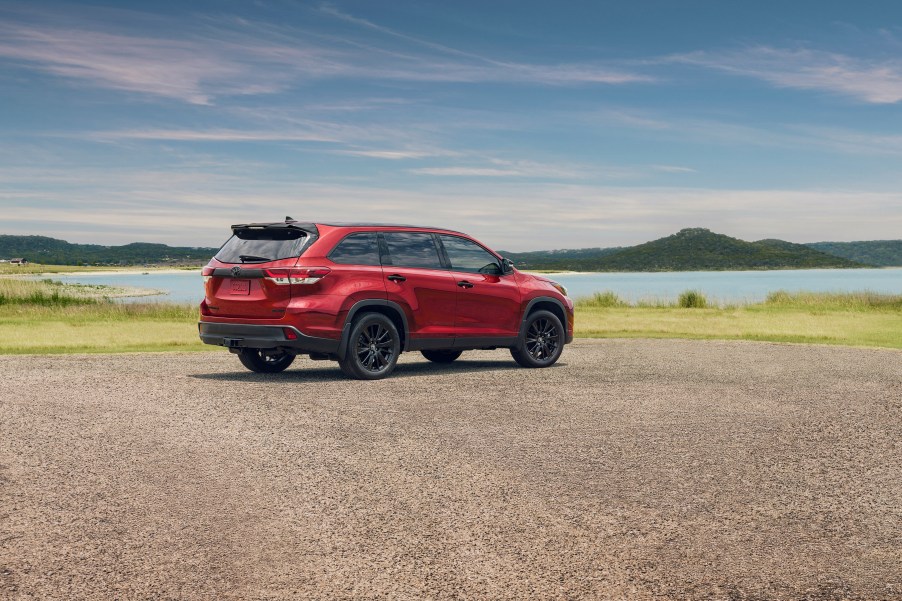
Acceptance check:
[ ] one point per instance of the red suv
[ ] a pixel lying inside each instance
(361, 294)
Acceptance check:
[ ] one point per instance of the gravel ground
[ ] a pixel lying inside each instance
(634, 469)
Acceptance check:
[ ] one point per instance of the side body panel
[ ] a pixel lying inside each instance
(490, 308)
(429, 297)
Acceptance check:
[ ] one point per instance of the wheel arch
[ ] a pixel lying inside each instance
(544, 303)
(388, 308)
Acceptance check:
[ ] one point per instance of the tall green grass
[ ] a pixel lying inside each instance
(50, 317)
(610, 300)
(39, 268)
(692, 299)
(49, 297)
(45, 293)
(845, 301)
(816, 301)
(601, 300)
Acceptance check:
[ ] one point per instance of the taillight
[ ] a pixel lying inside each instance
(296, 275)
(207, 272)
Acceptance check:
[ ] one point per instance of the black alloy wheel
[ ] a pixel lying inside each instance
(542, 341)
(373, 348)
(265, 362)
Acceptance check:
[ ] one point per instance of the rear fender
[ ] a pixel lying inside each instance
(369, 304)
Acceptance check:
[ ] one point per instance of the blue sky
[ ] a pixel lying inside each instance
(528, 124)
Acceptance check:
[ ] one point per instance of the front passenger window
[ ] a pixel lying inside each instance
(468, 256)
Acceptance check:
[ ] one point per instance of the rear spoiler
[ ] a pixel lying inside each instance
(309, 228)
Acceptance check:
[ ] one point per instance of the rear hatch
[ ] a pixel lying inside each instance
(251, 275)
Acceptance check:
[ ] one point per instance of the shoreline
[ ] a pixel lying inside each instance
(123, 271)
(101, 272)
(103, 291)
(844, 269)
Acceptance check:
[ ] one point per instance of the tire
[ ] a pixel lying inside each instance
(542, 340)
(264, 362)
(442, 356)
(373, 348)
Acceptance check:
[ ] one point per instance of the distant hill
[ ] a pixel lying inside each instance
(41, 249)
(881, 253)
(694, 249)
(559, 259)
(688, 250)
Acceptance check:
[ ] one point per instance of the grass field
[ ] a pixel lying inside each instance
(46, 317)
(49, 317)
(39, 268)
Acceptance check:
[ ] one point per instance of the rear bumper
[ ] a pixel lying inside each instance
(240, 335)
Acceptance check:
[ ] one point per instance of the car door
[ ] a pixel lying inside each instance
(488, 303)
(417, 280)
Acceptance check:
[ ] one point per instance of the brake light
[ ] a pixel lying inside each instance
(207, 272)
(296, 275)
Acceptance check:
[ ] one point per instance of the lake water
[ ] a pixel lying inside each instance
(718, 286)
(731, 286)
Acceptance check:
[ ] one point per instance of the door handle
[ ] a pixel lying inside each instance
(397, 278)
(464, 284)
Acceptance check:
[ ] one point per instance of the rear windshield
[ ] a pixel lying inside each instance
(260, 245)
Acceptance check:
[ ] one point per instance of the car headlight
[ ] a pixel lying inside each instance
(560, 288)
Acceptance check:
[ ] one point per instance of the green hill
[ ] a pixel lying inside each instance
(695, 249)
(563, 260)
(881, 253)
(688, 250)
(50, 251)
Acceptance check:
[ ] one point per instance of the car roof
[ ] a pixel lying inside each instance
(376, 224)
(311, 226)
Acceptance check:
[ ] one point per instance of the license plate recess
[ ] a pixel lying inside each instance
(239, 286)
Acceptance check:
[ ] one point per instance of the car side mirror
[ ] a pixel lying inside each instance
(507, 266)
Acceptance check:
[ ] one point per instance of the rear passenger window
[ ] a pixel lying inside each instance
(357, 249)
(412, 249)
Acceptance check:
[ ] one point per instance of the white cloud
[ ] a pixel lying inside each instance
(497, 167)
(467, 172)
(189, 70)
(673, 169)
(214, 135)
(246, 58)
(196, 208)
(792, 136)
(869, 80)
(391, 155)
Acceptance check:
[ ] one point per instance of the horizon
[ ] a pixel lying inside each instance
(496, 249)
(578, 126)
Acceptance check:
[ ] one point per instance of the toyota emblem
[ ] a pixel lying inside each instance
(236, 271)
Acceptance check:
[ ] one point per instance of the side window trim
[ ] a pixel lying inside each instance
(384, 255)
(442, 253)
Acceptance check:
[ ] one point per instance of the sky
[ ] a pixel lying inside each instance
(530, 125)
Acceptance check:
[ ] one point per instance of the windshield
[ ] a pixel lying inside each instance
(261, 245)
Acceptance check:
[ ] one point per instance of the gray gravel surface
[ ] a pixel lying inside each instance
(633, 469)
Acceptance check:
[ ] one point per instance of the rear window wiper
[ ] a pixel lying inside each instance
(253, 258)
